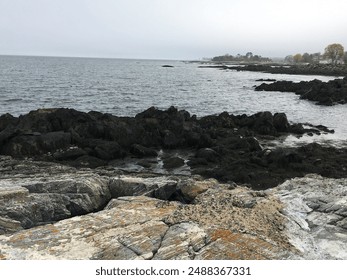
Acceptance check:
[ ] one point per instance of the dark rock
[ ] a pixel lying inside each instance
(167, 66)
(310, 69)
(207, 154)
(224, 146)
(192, 162)
(88, 161)
(6, 120)
(36, 144)
(165, 192)
(324, 93)
(170, 140)
(108, 150)
(280, 122)
(142, 151)
(69, 154)
(173, 162)
(266, 80)
(146, 163)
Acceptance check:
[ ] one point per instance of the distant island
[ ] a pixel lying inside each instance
(248, 57)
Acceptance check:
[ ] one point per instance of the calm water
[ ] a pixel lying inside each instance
(127, 87)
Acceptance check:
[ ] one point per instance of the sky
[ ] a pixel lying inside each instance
(170, 29)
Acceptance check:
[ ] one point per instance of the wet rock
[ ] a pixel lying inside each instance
(37, 144)
(142, 151)
(265, 80)
(280, 122)
(207, 154)
(227, 147)
(107, 150)
(166, 192)
(7, 120)
(173, 162)
(324, 93)
(309, 69)
(69, 154)
(88, 161)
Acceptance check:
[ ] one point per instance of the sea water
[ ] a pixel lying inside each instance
(125, 87)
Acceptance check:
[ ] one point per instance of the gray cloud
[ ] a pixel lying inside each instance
(182, 29)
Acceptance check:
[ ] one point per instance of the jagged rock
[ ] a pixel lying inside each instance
(280, 122)
(324, 93)
(132, 230)
(207, 154)
(227, 147)
(9, 225)
(142, 151)
(46, 194)
(37, 144)
(309, 69)
(318, 232)
(223, 222)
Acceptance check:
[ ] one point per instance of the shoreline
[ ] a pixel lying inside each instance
(314, 69)
(51, 211)
(225, 147)
(65, 181)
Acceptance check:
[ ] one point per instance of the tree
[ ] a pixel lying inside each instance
(249, 55)
(289, 59)
(345, 58)
(297, 58)
(335, 52)
(307, 58)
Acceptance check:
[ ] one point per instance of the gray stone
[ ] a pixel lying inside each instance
(39, 202)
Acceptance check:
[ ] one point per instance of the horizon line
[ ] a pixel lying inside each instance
(98, 57)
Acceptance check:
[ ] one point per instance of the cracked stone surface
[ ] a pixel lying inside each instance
(316, 211)
(303, 218)
(133, 230)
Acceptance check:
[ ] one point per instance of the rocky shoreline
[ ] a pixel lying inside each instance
(225, 147)
(198, 188)
(309, 69)
(323, 93)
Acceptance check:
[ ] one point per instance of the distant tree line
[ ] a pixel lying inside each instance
(333, 53)
(248, 57)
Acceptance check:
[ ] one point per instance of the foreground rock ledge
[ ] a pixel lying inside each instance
(304, 218)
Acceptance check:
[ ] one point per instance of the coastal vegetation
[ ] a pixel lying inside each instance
(248, 57)
(333, 54)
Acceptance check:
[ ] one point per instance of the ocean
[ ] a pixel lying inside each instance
(125, 87)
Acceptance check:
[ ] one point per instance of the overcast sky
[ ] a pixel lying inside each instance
(172, 29)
